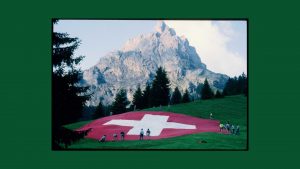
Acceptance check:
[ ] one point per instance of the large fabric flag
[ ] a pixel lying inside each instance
(160, 124)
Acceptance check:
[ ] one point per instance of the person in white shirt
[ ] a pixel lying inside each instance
(142, 134)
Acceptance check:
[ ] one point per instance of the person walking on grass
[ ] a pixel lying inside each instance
(148, 133)
(227, 126)
(211, 116)
(142, 134)
(232, 129)
(221, 126)
(122, 134)
(237, 132)
(115, 136)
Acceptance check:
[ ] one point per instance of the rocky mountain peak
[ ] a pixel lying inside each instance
(161, 26)
(136, 63)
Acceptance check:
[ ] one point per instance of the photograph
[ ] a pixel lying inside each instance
(149, 84)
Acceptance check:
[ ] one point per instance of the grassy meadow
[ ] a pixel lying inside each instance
(230, 108)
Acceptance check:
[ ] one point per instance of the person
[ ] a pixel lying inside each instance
(103, 138)
(221, 127)
(232, 129)
(148, 133)
(237, 132)
(227, 126)
(122, 134)
(115, 136)
(142, 134)
(211, 116)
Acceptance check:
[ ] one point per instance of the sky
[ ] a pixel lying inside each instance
(221, 45)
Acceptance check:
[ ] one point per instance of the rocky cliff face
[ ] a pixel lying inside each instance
(136, 63)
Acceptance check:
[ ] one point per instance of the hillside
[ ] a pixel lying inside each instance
(232, 108)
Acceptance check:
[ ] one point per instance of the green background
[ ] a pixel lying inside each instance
(25, 106)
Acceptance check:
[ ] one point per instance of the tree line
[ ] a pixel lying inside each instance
(159, 94)
(154, 95)
(236, 85)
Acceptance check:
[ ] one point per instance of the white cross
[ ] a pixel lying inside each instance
(155, 123)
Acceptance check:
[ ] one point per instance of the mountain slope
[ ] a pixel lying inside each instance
(136, 63)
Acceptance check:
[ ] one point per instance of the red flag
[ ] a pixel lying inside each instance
(160, 125)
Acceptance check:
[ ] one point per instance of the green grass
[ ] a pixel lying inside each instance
(76, 125)
(232, 108)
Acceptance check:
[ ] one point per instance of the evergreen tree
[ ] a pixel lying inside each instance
(199, 89)
(246, 90)
(107, 110)
(176, 97)
(137, 98)
(99, 112)
(228, 87)
(160, 90)
(67, 97)
(236, 85)
(146, 97)
(242, 82)
(218, 94)
(206, 92)
(120, 103)
(186, 97)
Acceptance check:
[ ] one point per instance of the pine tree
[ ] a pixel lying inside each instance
(67, 97)
(246, 90)
(206, 92)
(228, 87)
(245, 87)
(120, 103)
(242, 82)
(137, 98)
(176, 97)
(146, 97)
(160, 90)
(236, 85)
(107, 110)
(199, 89)
(186, 97)
(218, 94)
(99, 112)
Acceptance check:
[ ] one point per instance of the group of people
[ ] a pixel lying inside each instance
(142, 134)
(122, 134)
(230, 128)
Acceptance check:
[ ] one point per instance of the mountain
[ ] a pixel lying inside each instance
(136, 63)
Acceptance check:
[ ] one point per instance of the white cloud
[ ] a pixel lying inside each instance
(211, 42)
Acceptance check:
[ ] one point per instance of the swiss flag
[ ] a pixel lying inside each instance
(160, 124)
